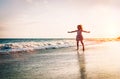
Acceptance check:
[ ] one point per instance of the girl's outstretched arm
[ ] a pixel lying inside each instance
(72, 31)
(86, 31)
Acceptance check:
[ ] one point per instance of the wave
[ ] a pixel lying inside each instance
(28, 45)
(24, 46)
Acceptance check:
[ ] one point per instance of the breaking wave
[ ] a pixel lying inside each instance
(23, 46)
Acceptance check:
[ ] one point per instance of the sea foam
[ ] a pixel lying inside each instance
(23, 46)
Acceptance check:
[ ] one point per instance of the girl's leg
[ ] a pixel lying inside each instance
(77, 45)
(82, 45)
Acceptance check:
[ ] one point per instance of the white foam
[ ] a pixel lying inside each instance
(22, 46)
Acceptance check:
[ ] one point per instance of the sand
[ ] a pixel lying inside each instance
(99, 61)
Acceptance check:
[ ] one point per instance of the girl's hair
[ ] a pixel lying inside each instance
(79, 27)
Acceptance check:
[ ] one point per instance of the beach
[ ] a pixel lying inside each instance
(98, 61)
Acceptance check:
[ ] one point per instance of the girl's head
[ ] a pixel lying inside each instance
(79, 27)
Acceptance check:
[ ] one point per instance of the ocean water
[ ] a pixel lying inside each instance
(10, 45)
(41, 64)
(13, 45)
(58, 60)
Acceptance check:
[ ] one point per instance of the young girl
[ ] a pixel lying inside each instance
(79, 36)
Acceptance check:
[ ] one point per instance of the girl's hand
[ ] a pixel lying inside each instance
(69, 32)
(88, 31)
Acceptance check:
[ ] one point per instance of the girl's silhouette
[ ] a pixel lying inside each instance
(79, 36)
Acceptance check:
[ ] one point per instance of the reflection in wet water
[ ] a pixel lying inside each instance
(81, 61)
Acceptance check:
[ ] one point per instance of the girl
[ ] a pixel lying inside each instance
(79, 36)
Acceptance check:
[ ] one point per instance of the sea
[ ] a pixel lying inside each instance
(40, 58)
(23, 44)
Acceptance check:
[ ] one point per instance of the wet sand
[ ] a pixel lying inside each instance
(103, 62)
(100, 61)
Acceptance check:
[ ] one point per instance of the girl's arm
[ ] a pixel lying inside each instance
(72, 31)
(85, 31)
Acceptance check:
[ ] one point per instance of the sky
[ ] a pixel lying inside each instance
(53, 18)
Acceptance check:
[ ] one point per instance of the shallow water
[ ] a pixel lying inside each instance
(97, 62)
(49, 64)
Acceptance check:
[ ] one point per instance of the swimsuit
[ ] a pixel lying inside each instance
(79, 36)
